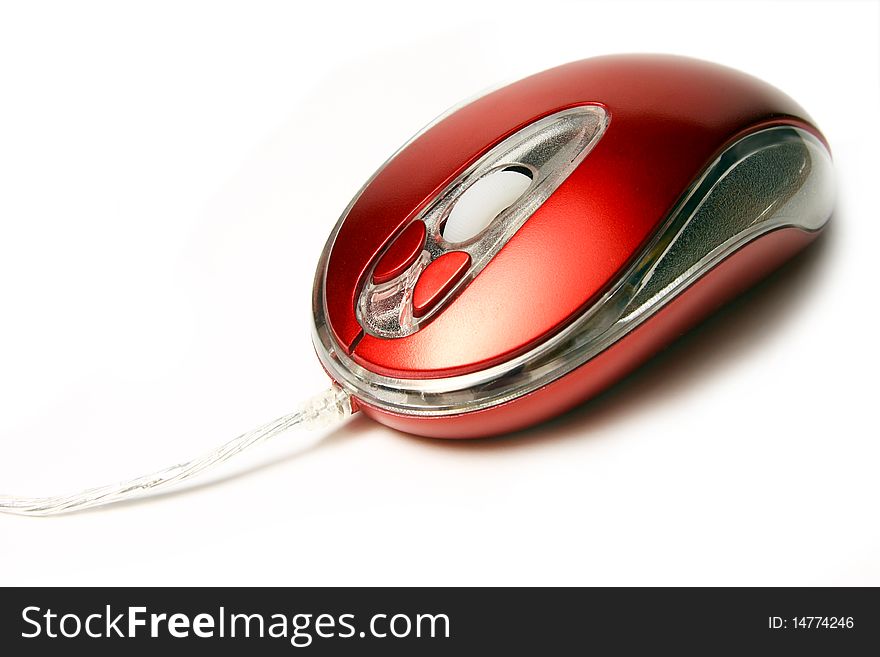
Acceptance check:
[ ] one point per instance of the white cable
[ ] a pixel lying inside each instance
(330, 406)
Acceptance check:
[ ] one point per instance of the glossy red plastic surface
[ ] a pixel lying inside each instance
(401, 254)
(732, 276)
(670, 117)
(437, 279)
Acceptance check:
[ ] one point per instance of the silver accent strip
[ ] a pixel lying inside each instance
(773, 178)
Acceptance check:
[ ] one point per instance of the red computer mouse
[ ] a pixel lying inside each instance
(528, 249)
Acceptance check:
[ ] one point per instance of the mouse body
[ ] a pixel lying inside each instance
(530, 248)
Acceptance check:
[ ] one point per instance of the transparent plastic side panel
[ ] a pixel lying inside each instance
(760, 190)
(771, 179)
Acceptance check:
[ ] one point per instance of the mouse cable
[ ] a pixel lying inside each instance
(327, 408)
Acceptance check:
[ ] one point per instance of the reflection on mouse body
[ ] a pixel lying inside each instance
(530, 248)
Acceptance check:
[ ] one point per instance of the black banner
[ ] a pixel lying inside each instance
(419, 621)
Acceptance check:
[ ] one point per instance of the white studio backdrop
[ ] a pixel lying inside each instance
(169, 172)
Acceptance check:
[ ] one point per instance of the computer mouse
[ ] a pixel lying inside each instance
(531, 247)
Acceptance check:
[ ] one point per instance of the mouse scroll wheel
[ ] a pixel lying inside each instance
(484, 200)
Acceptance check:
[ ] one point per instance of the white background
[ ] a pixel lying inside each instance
(168, 175)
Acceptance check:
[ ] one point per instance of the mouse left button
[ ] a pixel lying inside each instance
(439, 278)
(401, 254)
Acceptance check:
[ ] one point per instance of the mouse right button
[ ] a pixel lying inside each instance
(401, 254)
